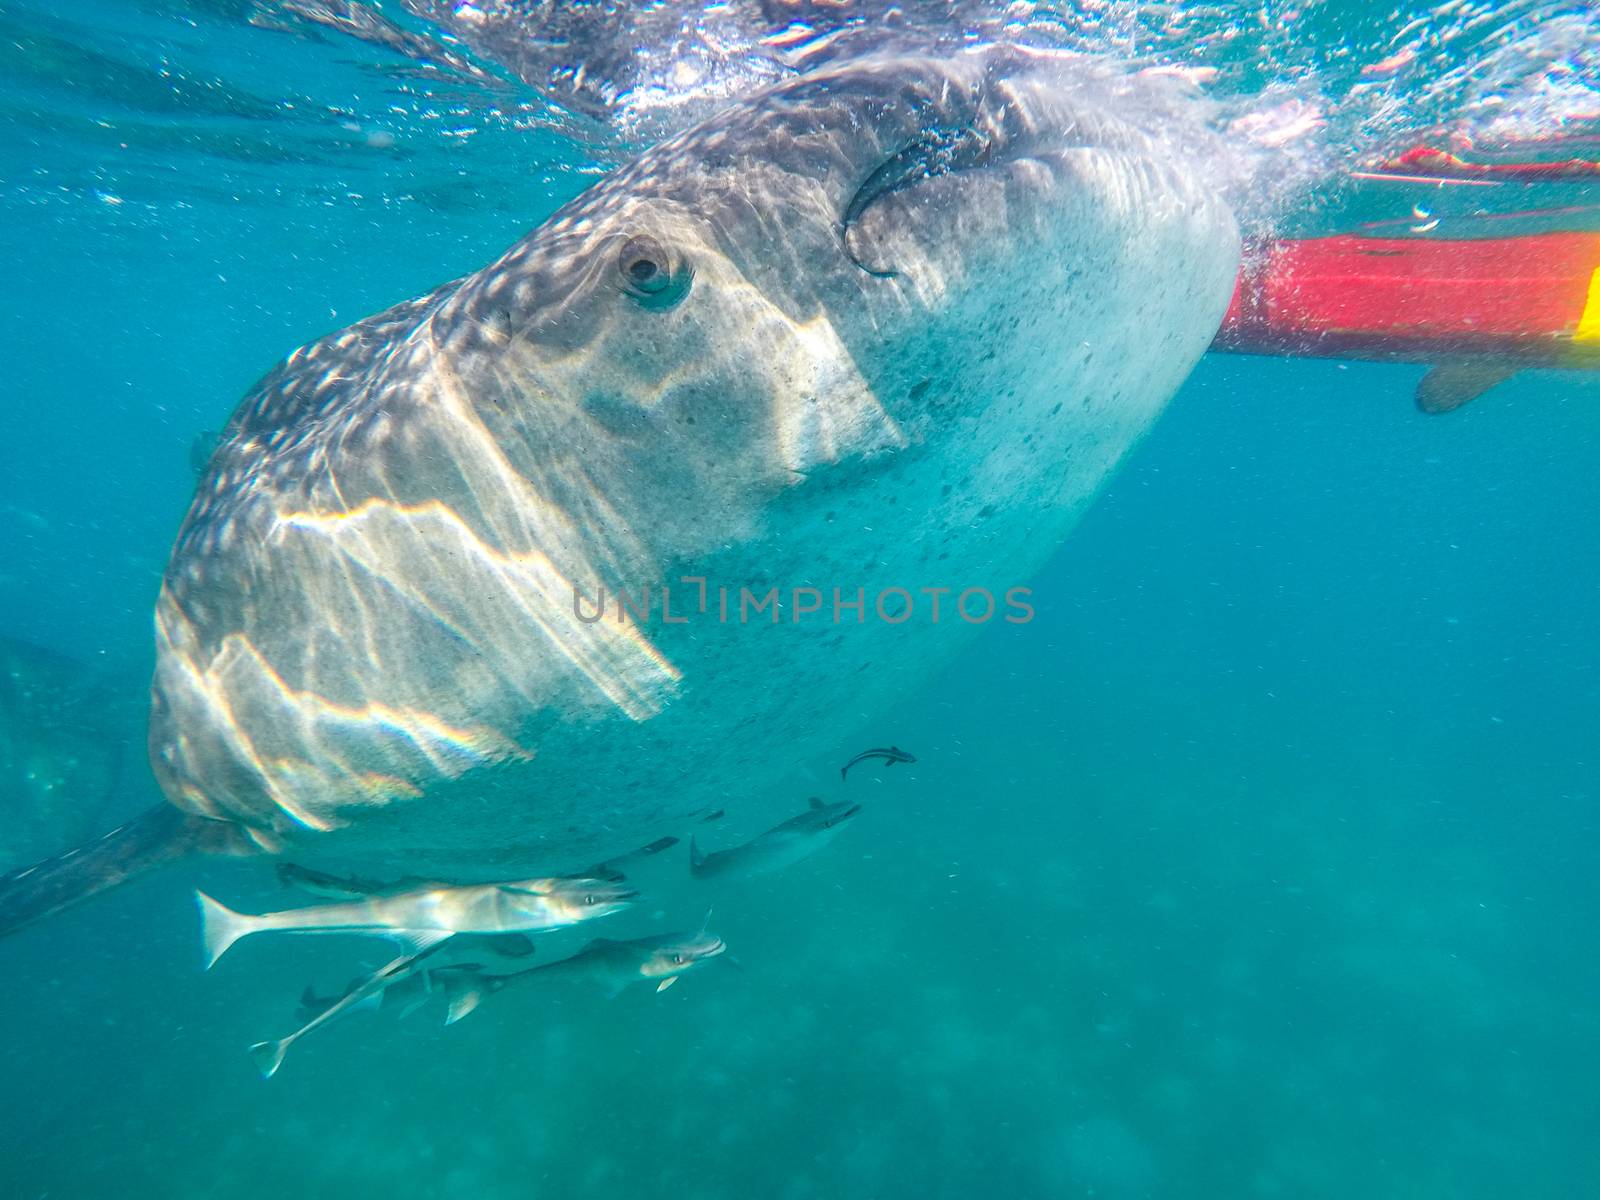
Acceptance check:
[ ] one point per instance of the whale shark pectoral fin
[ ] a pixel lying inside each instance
(666, 983)
(1448, 386)
(156, 838)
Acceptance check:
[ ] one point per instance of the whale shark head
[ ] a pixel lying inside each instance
(886, 328)
(778, 290)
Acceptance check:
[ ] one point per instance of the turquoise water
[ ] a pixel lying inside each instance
(1260, 864)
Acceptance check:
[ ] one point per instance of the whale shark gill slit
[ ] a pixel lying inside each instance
(932, 153)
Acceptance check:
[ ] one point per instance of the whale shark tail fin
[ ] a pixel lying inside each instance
(153, 839)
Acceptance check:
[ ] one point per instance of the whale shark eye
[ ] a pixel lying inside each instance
(677, 959)
(588, 900)
(649, 275)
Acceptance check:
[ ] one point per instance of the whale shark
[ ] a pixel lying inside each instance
(864, 340)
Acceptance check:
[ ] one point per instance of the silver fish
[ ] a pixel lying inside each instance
(269, 1055)
(781, 846)
(608, 965)
(428, 915)
(889, 754)
(409, 979)
(341, 887)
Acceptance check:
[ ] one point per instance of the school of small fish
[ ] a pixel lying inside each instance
(462, 943)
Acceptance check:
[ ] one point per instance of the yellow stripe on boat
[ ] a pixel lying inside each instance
(1588, 331)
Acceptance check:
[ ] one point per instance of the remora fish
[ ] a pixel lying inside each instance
(346, 887)
(408, 978)
(781, 846)
(829, 298)
(340, 887)
(427, 915)
(889, 754)
(408, 993)
(483, 951)
(611, 966)
(269, 1055)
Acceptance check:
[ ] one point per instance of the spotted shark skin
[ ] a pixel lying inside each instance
(909, 316)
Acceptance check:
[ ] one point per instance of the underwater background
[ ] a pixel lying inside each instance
(1261, 863)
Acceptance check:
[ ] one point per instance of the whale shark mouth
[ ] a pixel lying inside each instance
(933, 153)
